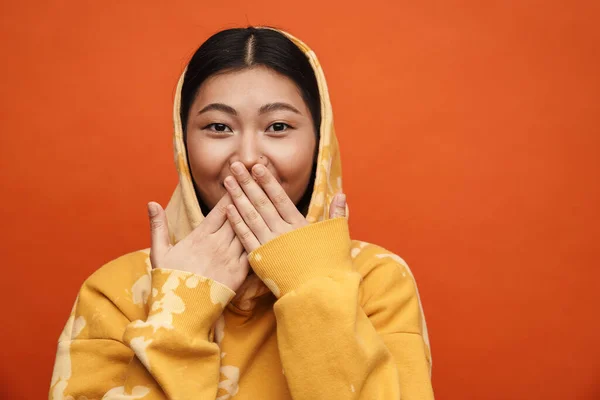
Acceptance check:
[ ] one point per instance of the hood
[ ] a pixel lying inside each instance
(183, 210)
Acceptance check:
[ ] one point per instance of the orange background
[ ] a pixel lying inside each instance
(470, 141)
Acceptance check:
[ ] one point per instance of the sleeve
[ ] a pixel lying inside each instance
(106, 353)
(329, 347)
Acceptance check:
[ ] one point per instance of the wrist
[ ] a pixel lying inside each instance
(319, 249)
(186, 301)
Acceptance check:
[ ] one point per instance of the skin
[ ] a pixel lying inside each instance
(252, 154)
(281, 136)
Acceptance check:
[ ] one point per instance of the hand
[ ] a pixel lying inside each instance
(211, 250)
(262, 209)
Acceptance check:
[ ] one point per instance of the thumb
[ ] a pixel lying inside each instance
(338, 206)
(159, 232)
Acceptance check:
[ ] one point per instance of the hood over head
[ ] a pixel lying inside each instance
(183, 210)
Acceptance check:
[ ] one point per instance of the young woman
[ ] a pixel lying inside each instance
(252, 287)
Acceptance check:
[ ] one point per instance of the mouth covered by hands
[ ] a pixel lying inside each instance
(261, 208)
(255, 210)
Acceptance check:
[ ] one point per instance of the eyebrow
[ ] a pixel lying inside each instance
(278, 106)
(263, 110)
(219, 107)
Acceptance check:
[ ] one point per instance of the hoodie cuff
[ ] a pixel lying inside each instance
(316, 250)
(186, 301)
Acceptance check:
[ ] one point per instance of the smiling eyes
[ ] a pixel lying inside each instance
(222, 128)
(218, 128)
(278, 127)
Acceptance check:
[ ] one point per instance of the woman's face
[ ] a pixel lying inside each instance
(253, 116)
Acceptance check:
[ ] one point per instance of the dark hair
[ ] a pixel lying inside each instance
(241, 48)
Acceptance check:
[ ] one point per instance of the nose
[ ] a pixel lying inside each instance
(249, 152)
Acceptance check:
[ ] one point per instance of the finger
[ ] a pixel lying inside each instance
(226, 232)
(217, 216)
(282, 202)
(338, 206)
(236, 246)
(159, 233)
(244, 207)
(257, 196)
(242, 231)
(245, 262)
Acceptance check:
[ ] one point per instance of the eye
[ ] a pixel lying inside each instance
(216, 127)
(278, 127)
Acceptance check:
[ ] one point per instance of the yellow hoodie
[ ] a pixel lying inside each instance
(334, 319)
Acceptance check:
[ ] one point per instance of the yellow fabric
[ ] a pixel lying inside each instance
(324, 317)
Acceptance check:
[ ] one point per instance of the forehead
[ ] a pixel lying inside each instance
(249, 87)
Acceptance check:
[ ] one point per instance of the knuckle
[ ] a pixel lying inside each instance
(280, 197)
(261, 202)
(222, 209)
(239, 193)
(246, 235)
(252, 215)
(237, 220)
(156, 224)
(246, 179)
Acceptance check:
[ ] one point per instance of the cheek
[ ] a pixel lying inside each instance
(206, 159)
(293, 163)
(206, 163)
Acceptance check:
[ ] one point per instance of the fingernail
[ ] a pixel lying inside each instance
(341, 200)
(259, 170)
(152, 210)
(237, 167)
